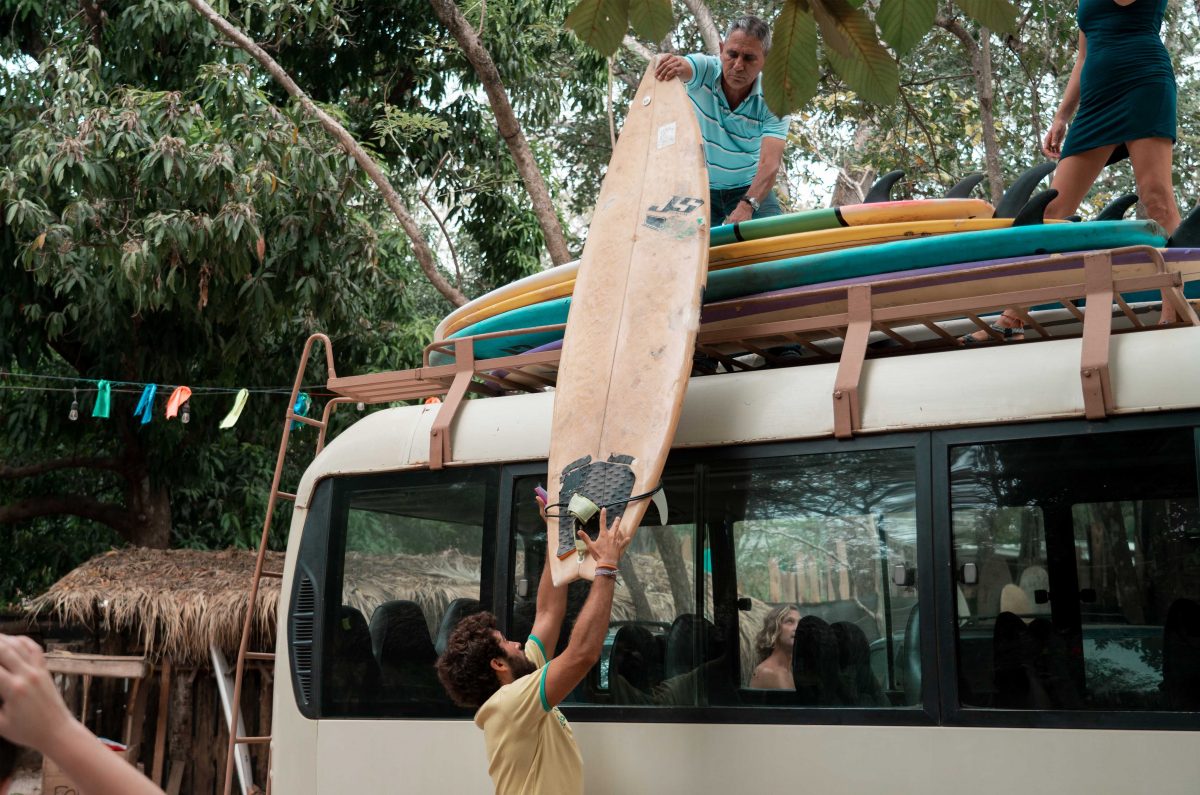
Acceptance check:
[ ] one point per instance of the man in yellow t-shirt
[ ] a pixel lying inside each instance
(531, 749)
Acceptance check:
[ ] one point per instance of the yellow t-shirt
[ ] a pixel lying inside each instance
(530, 747)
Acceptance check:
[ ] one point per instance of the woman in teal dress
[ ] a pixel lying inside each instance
(1124, 89)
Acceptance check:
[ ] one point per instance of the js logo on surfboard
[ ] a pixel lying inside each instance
(668, 216)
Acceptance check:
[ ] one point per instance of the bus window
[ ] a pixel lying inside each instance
(1088, 558)
(411, 569)
(825, 550)
(657, 641)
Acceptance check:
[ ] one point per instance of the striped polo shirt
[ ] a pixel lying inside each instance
(731, 138)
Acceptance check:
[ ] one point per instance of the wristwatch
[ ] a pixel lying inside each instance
(753, 202)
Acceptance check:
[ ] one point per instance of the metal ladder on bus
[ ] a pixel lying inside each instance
(452, 382)
(244, 653)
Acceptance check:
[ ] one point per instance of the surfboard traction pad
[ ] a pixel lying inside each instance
(602, 482)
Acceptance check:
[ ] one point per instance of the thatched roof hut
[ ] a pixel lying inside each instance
(174, 602)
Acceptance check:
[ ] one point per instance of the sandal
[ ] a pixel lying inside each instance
(1008, 333)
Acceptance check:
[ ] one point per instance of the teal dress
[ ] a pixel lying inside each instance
(1127, 87)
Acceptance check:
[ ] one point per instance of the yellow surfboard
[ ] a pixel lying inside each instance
(560, 282)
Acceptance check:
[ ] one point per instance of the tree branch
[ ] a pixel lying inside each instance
(510, 128)
(115, 516)
(12, 473)
(644, 52)
(980, 53)
(420, 247)
(708, 28)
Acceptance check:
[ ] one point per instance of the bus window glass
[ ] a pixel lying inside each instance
(1086, 552)
(413, 544)
(825, 550)
(657, 641)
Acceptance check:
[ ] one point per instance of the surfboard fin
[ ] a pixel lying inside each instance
(962, 189)
(1034, 211)
(1115, 210)
(1187, 234)
(881, 191)
(659, 501)
(1018, 193)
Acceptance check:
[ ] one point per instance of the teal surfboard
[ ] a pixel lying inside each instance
(892, 257)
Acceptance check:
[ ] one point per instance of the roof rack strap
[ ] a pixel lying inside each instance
(847, 416)
(1097, 331)
(439, 435)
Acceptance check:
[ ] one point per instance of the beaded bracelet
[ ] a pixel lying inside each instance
(606, 572)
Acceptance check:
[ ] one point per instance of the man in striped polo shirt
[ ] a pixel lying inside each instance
(743, 140)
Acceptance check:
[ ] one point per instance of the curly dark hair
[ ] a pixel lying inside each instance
(465, 667)
(8, 759)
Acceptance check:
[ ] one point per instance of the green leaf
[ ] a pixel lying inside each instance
(905, 22)
(832, 31)
(652, 19)
(999, 15)
(790, 73)
(869, 69)
(601, 24)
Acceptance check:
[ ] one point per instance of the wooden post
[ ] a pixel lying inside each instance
(843, 570)
(800, 578)
(814, 580)
(773, 580)
(160, 731)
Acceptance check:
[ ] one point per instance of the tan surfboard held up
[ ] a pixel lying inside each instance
(631, 332)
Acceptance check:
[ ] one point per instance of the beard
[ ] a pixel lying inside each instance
(520, 665)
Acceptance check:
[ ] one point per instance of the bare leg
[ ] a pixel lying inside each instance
(1074, 177)
(1151, 159)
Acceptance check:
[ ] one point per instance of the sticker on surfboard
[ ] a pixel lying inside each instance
(666, 135)
(672, 216)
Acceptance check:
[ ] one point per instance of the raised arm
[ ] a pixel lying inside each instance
(1052, 146)
(587, 638)
(33, 714)
(551, 603)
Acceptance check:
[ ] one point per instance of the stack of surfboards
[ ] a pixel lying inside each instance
(766, 269)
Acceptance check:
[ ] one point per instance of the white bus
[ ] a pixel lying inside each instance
(997, 595)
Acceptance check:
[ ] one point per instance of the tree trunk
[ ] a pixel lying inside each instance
(421, 248)
(980, 53)
(1112, 525)
(853, 180)
(510, 128)
(641, 605)
(708, 28)
(150, 505)
(677, 576)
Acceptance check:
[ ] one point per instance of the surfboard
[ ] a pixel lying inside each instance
(537, 291)
(627, 351)
(889, 212)
(805, 243)
(929, 252)
(559, 282)
(906, 255)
